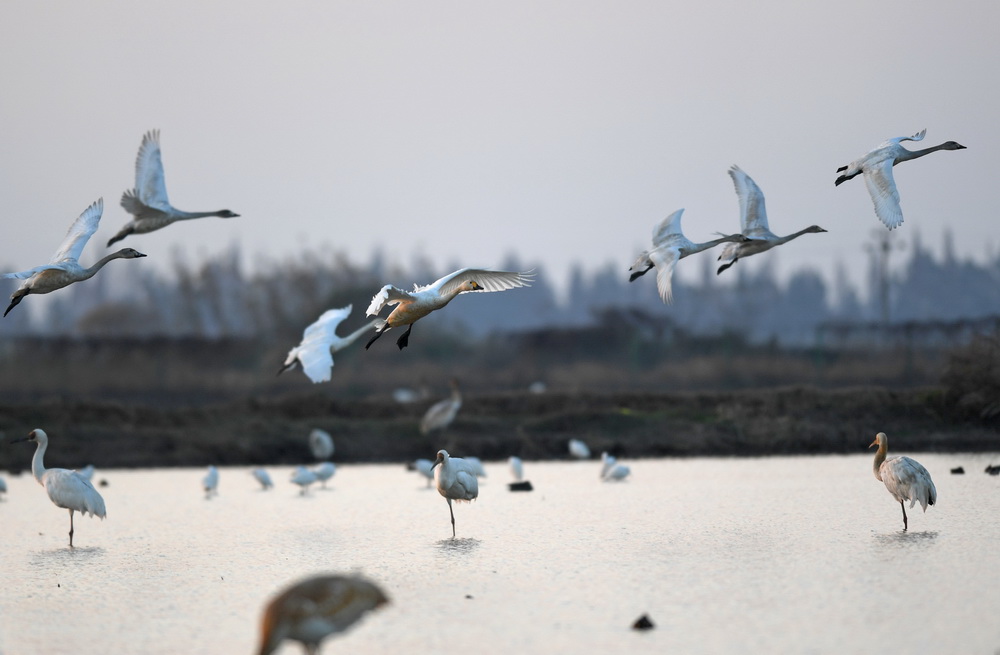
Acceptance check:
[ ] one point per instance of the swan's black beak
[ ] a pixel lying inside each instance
(139, 254)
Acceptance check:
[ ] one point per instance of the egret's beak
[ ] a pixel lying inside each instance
(31, 435)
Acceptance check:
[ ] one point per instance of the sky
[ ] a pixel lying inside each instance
(464, 132)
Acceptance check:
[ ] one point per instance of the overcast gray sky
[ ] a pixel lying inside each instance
(562, 131)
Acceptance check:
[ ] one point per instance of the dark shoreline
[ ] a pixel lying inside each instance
(783, 421)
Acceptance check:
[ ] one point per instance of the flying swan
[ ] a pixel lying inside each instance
(319, 341)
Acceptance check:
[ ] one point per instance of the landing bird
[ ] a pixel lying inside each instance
(670, 245)
(905, 478)
(442, 413)
(148, 202)
(64, 268)
(66, 489)
(414, 305)
(753, 223)
(316, 608)
(319, 341)
(877, 169)
(456, 480)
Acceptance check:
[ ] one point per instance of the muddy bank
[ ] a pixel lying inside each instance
(273, 430)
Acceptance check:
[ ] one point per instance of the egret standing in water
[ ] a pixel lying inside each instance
(324, 472)
(456, 480)
(263, 478)
(66, 489)
(905, 478)
(313, 609)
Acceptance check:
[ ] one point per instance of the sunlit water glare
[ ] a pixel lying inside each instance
(777, 555)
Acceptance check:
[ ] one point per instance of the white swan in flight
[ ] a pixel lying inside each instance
(905, 478)
(64, 268)
(877, 168)
(148, 201)
(319, 341)
(753, 223)
(414, 305)
(669, 245)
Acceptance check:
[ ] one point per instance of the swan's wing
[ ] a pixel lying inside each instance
(150, 185)
(665, 259)
(753, 214)
(388, 295)
(668, 227)
(468, 481)
(882, 188)
(24, 275)
(70, 489)
(79, 233)
(488, 279)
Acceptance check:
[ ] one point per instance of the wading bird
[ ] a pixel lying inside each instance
(263, 478)
(753, 223)
(324, 472)
(877, 169)
(66, 489)
(321, 444)
(906, 479)
(316, 608)
(442, 413)
(211, 482)
(319, 341)
(64, 268)
(148, 201)
(455, 480)
(414, 305)
(516, 467)
(303, 477)
(670, 245)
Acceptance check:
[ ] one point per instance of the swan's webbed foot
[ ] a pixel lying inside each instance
(375, 336)
(638, 274)
(404, 340)
(118, 237)
(726, 265)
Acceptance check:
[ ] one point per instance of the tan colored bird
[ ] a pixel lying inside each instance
(313, 609)
(442, 413)
(905, 478)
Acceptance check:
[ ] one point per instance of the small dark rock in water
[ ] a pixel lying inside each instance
(102, 483)
(643, 623)
(520, 486)
(993, 470)
(958, 470)
(469, 596)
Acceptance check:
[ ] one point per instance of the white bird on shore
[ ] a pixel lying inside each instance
(905, 478)
(3, 486)
(324, 472)
(669, 246)
(303, 477)
(64, 268)
(148, 201)
(877, 169)
(616, 472)
(578, 449)
(424, 467)
(753, 223)
(607, 461)
(442, 413)
(414, 305)
(263, 478)
(455, 480)
(211, 482)
(321, 444)
(516, 467)
(66, 489)
(316, 608)
(314, 354)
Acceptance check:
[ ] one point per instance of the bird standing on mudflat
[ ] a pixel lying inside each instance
(414, 305)
(877, 168)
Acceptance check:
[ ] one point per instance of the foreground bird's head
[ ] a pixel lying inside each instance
(442, 457)
(129, 253)
(37, 435)
(880, 439)
(952, 145)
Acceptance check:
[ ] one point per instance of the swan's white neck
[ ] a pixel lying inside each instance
(37, 466)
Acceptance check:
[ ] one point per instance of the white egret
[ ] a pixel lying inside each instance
(263, 478)
(64, 268)
(905, 478)
(303, 477)
(424, 467)
(669, 246)
(455, 480)
(753, 223)
(516, 467)
(442, 413)
(877, 165)
(578, 449)
(148, 201)
(316, 608)
(66, 489)
(414, 305)
(617, 472)
(3, 486)
(321, 444)
(211, 482)
(324, 472)
(314, 354)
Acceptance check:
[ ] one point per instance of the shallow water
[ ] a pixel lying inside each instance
(798, 555)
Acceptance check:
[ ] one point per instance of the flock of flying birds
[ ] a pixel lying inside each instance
(312, 609)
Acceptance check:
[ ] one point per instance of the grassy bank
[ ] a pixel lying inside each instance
(273, 430)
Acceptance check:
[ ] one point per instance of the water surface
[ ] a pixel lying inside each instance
(797, 555)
